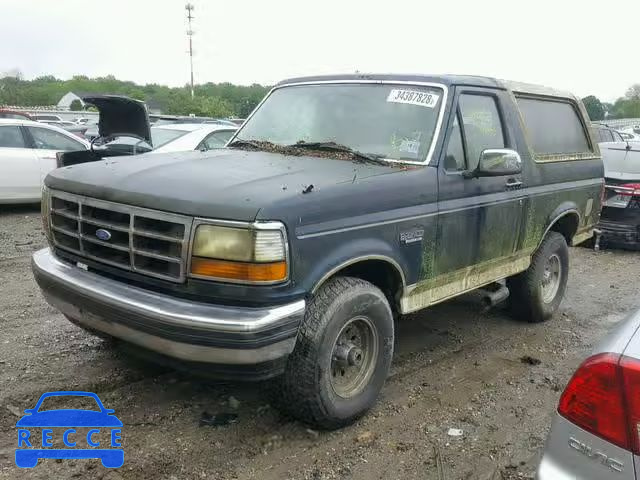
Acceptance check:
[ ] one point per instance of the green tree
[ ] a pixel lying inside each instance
(594, 107)
(211, 99)
(626, 108)
(75, 106)
(633, 93)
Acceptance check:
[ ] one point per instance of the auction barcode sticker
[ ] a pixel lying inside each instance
(413, 97)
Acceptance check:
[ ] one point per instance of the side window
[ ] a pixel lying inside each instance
(46, 139)
(553, 126)
(216, 140)
(608, 135)
(598, 134)
(11, 137)
(481, 125)
(617, 137)
(454, 159)
(603, 135)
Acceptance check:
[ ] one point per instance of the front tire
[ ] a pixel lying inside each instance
(342, 355)
(536, 293)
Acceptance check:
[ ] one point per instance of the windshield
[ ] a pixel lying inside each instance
(162, 136)
(386, 121)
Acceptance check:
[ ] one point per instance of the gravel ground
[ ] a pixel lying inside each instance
(455, 367)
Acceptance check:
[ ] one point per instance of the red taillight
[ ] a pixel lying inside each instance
(628, 189)
(603, 397)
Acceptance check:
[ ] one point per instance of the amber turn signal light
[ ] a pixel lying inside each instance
(241, 271)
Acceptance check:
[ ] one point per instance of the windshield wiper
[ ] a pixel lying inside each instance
(336, 147)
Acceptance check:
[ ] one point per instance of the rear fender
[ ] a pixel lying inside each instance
(565, 210)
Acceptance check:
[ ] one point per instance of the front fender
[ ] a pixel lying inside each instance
(348, 253)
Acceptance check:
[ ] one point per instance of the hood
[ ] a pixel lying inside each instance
(621, 162)
(121, 116)
(225, 184)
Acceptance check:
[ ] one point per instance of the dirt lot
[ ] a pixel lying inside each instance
(455, 368)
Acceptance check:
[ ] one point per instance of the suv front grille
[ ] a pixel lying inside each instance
(137, 239)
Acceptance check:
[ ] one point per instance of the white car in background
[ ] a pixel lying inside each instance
(27, 153)
(631, 134)
(124, 129)
(48, 117)
(182, 137)
(178, 137)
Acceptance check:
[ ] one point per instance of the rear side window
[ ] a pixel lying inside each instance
(554, 127)
(216, 140)
(162, 136)
(603, 135)
(11, 137)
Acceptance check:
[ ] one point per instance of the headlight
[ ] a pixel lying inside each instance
(256, 254)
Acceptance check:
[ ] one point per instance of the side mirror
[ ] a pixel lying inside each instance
(497, 162)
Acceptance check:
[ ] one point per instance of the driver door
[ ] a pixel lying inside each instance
(479, 219)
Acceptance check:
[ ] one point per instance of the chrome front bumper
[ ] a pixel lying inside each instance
(176, 327)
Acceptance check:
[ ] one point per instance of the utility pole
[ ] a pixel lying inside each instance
(189, 8)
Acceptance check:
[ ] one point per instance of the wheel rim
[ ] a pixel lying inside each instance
(354, 357)
(551, 278)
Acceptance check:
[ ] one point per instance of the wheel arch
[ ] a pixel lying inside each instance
(381, 270)
(564, 220)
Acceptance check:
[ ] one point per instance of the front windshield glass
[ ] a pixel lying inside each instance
(386, 121)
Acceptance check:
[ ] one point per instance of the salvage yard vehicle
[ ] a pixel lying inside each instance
(122, 122)
(596, 431)
(341, 203)
(605, 134)
(4, 113)
(124, 128)
(179, 137)
(27, 154)
(620, 221)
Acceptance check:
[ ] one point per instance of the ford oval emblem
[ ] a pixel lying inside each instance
(104, 235)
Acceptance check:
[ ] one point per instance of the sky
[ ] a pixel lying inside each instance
(567, 44)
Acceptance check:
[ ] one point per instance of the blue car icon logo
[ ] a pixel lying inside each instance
(32, 446)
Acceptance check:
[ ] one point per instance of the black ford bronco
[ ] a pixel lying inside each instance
(342, 203)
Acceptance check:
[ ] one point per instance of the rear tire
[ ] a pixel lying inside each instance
(342, 355)
(536, 293)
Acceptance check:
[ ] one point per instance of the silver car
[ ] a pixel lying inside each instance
(596, 432)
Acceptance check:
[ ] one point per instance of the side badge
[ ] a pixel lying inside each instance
(412, 236)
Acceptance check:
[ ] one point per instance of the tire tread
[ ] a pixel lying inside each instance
(295, 392)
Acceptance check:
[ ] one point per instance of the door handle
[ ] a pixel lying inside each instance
(513, 184)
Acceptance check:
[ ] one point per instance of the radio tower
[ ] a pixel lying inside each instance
(189, 8)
